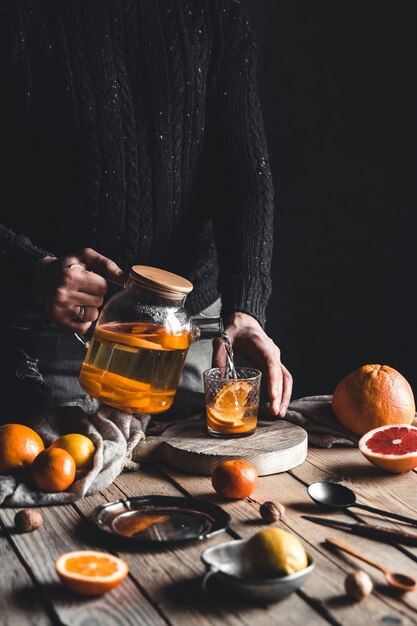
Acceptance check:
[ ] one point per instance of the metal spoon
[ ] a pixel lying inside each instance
(337, 496)
(399, 581)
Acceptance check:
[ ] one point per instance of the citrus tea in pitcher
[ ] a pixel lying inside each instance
(136, 355)
(134, 367)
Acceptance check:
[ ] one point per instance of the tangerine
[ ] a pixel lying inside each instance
(392, 447)
(80, 447)
(19, 445)
(53, 470)
(90, 572)
(234, 479)
(373, 396)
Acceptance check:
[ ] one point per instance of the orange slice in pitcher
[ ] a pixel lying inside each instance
(115, 381)
(127, 339)
(173, 341)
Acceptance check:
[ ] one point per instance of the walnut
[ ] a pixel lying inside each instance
(358, 585)
(271, 511)
(27, 520)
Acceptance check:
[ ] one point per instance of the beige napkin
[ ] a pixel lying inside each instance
(315, 415)
(115, 435)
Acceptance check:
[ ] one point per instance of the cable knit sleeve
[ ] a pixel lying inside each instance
(18, 257)
(243, 209)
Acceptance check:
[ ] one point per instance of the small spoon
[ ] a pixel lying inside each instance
(337, 496)
(399, 581)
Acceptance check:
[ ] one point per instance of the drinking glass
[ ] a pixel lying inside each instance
(232, 403)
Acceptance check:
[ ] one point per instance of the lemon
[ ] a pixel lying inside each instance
(273, 552)
(80, 447)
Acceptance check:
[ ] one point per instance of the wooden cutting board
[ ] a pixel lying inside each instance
(275, 447)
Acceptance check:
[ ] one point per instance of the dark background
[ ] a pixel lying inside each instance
(339, 95)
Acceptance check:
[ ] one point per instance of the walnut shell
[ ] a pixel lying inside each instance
(358, 585)
(28, 520)
(271, 512)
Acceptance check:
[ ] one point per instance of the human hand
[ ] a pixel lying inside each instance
(250, 340)
(73, 287)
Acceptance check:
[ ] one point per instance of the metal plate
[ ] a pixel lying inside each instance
(161, 519)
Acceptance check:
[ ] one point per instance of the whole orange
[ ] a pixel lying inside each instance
(234, 479)
(80, 447)
(373, 396)
(19, 445)
(53, 470)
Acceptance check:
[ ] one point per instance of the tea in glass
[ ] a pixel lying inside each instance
(232, 403)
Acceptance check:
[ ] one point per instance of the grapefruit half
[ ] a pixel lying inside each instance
(392, 447)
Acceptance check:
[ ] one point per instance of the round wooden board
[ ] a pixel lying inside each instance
(275, 447)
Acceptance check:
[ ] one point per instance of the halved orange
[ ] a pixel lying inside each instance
(90, 572)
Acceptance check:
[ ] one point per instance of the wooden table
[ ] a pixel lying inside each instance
(165, 587)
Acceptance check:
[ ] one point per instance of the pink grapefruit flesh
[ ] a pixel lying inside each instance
(392, 447)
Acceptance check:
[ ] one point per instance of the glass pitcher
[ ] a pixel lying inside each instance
(136, 355)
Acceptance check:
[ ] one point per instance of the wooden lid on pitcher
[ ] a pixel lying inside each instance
(158, 279)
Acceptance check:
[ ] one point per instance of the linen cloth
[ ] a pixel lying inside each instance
(115, 435)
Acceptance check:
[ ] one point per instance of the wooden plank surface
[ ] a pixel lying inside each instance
(372, 486)
(62, 531)
(164, 587)
(325, 588)
(273, 448)
(172, 578)
(20, 600)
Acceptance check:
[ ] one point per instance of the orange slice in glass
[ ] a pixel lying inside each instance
(227, 419)
(228, 407)
(232, 396)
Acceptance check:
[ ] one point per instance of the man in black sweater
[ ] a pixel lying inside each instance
(132, 133)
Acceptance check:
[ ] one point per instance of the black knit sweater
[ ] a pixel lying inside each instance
(134, 127)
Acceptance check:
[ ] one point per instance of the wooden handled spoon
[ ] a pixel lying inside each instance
(399, 581)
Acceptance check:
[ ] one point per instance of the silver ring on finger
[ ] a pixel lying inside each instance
(80, 316)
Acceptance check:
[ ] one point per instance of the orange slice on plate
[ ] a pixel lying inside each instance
(133, 524)
(90, 572)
